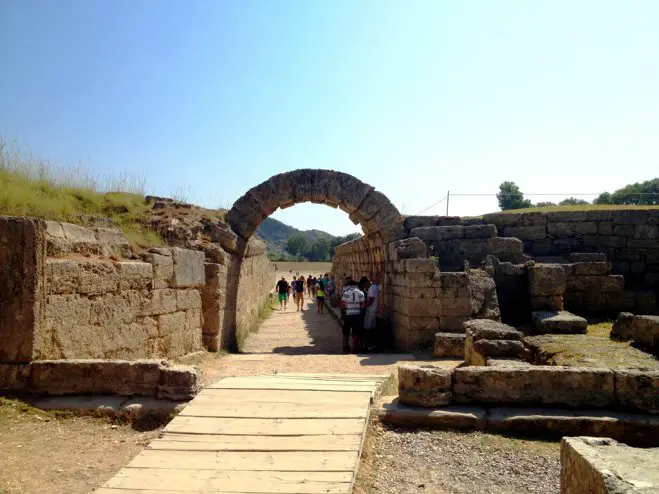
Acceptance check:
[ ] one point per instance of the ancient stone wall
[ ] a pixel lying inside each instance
(364, 256)
(629, 238)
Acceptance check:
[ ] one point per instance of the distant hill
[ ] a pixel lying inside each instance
(276, 234)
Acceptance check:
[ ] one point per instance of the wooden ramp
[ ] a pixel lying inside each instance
(284, 433)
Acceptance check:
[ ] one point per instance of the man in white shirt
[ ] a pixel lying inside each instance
(352, 304)
(372, 291)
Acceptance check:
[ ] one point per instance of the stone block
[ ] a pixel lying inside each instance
(547, 279)
(417, 307)
(134, 275)
(15, 377)
(188, 299)
(483, 294)
(63, 377)
(645, 331)
(449, 220)
(449, 345)
(506, 249)
(549, 385)
(450, 232)
(499, 348)
(630, 217)
(77, 234)
(591, 268)
(599, 215)
(485, 329)
(163, 269)
(97, 277)
(614, 241)
(569, 229)
(419, 265)
(604, 466)
(171, 323)
(480, 231)
(425, 386)
(625, 230)
(548, 303)
(189, 270)
(162, 301)
(605, 228)
(537, 232)
(179, 382)
(449, 417)
(408, 248)
(62, 276)
(455, 307)
(566, 216)
(412, 222)
(638, 389)
(559, 322)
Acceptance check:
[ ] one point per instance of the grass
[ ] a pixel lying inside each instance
(583, 207)
(34, 187)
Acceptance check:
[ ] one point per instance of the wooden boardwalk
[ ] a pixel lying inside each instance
(283, 433)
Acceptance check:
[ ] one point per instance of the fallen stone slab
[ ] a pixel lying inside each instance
(425, 386)
(634, 428)
(449, 345)
(559, 322)
(98, 404)
(603, 465)
(486, 329)
(449, 417)
(637, 389)
(534, 385)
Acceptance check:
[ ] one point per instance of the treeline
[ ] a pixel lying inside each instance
(644, 193)
(300, 248)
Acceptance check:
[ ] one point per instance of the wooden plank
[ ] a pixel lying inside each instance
(211, 442)
(281, 396)
(289, 461)
(274, 410)
(265, 427)
(177, 480)
(311, 386)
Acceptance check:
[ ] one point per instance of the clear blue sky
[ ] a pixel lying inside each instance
(413, 97)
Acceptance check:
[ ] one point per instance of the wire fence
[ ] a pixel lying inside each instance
(627, 198)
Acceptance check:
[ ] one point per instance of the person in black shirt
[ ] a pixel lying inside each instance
(298, 293)
(282, 290)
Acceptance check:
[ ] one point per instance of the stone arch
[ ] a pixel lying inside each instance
(364, 205)
(380, 219)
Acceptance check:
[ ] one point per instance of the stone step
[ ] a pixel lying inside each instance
(631, 428)
(449, 345)
(559, 322)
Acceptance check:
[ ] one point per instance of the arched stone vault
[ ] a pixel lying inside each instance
(364, 205)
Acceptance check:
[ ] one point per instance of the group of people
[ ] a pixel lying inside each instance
(359, 309)
(319, 288)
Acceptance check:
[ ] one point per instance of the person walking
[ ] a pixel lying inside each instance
(282, 289)
(310, 286)
(352, 304)
(299, 293)
(320, 296)
(372, 292)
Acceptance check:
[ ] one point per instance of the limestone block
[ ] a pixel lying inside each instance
(425, 233)
(506, 249)
(15, 377)
(178, 382)
(499, 348)
(418, 307)
(483, 294)
(78, 234)
(614, 241)
(449, 345)
(97, 277)
(62, 276)
(638, 389)
(591, 268)
(62, 377)
(425, 386)
(605, 228)
(222, 234)
(455, 307)
(412, 222)
(171, 323)
(121, 308)
(540, 384)
(645, 331)
(626, 230)
(630, 217)
(193, 320)
(134, 275)
(163, 269)
(546, 279)
(189, 270)
(450, 232)
(485, 329)
(480, 231)
(453, 285)
(559, 322)
(547, 303)
(599, 215)
(525, 232)
(567, 216)
(604, 466)
(182, 342)
(569, 229)
(188, 299)
(162, 301)
(423, 265)
(216, 275)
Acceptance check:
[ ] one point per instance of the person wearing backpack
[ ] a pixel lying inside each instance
(352, 305)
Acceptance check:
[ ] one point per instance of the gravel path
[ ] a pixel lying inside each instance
(411, 461)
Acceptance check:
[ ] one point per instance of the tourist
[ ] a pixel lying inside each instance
(320, 296)
(352, 304)
(370, 314)
(282, 289)
(331, 287)
(291, 289)
(310, 286)
(299, 293)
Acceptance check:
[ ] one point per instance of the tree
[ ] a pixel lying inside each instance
(318, 251)
(572, 201)
(297, 245)
(336, 241)
(644, 193)
(510, 197)
(545, 204)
